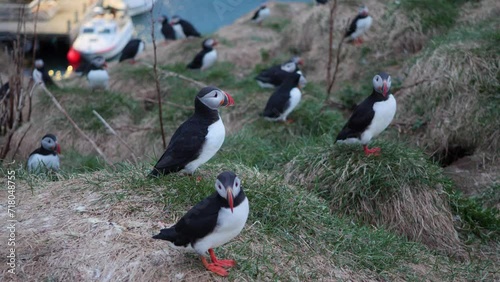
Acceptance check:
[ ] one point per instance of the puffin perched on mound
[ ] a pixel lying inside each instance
(97, 76)
(206, 57)
(46, 157)
(275, 75)
(284, 99)
(183, 28)
(40, 75)
(261, 14)
(166, 29)
(372, 116)
(212, 222)
(133, 48)
(198, 139)
(359, 25)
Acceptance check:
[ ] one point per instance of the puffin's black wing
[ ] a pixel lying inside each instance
(277, 103)
(359, 121)
(167, 30)
(352, 27)
(130, 50)
(183, 148)
(267, 74)
(197, 62)
(42, 151)
(189, 29)
(256, 14)
(195, 224)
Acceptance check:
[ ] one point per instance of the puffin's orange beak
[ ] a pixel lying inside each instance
(385, 89)
(230, 198)
(58, 148)
(228, 100)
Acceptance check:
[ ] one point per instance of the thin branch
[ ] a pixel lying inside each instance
(56, 103)
(115, 134)
(170, 103)
(157, 80)
(178, 75)
(331, 22)
(34, 53)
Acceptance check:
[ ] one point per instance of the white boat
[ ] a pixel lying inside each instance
(137, 7)
(105, 34)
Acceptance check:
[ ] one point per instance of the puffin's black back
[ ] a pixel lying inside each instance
(280, 100)
(188, 139)
(167, 30)
(189, 29)
(361, 118)
(130, 50)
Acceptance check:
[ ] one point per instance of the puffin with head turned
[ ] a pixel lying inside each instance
(45, 158)
(261, 14)
(97, 75)
(211, 223)
(284, 99)
(197, 139)
(40, 75)
(275, 75)
(372, 116)
(133, 48)
(183, 28)
(166, 29)
(359, 26)
(206, 57)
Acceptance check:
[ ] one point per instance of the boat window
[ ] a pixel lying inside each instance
(105, 31)
(88, 30)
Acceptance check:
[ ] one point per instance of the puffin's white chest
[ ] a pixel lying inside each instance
(37, 76)
(209, 59)
(179, 31)
(262, 15)
(140, 49)
(295, 96)
(229, 225)
(37, 163)
(213, 141)
(98, 79)
(362, 25)
(384, 114)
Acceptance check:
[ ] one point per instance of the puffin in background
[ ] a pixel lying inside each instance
(261, 14)
(212, 222)
(183, 28)
(275, 75)
(46, 157)
(359, 26)
(284, 99)
(206, 57)
(372, 116)
(166, 29)
(197, 139)
(97, 76)
(40, 75)
(133, 48)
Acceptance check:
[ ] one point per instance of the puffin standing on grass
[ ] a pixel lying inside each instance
(359, 26)
(183, 28)
(284, 99)
(40, 75)
(46, 157)
(97, 76)
(166, 29)
(275, 75)
(212, 222)
(372, 116)
(206, 57)
(133, 48)
(198, 139)
(261, 14)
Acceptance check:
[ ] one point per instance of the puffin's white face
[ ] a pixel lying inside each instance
(49, 143)
(228, 186)
(216, 98)
(98, 61)
(209, 43)
(175, 20)
(289, 67)
(39, 63)
(363, 10)
(382, 83)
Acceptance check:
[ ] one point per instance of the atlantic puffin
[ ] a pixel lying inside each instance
(166, 29)
(40, 75)
(212, 222)
(261, 14)
(359, 26)
(284, 99)
(183, 28)
(45, 158)
(133, 48)
(275, 75)
(97, 76)
(198, 139)
(372, 116)
(206, 57)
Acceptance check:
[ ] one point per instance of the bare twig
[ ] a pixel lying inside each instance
(115, 134)
(21, 141)
(170, 103)
(331, 22)
(34, 53)
(178, 75)
(56, 103)
(157, 80)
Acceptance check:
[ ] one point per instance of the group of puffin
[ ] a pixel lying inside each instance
(221, 216)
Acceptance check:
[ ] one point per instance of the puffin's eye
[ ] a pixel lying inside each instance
(215, 95)
(219, 186)
(236, 185)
